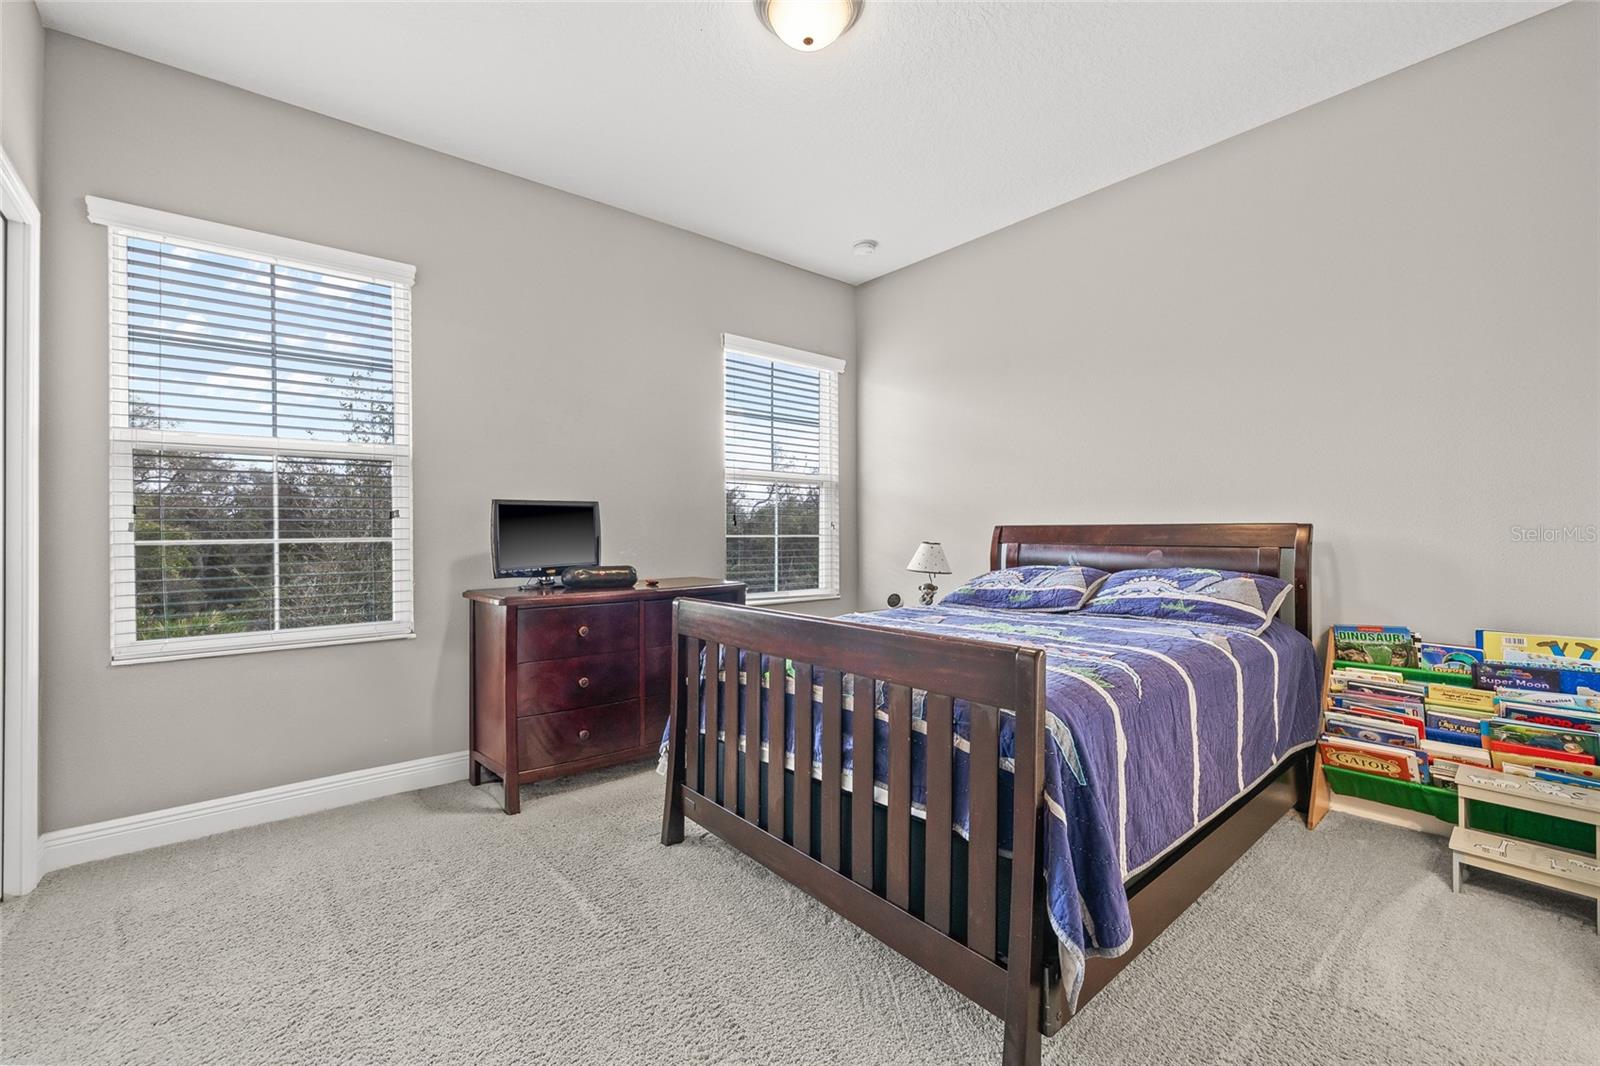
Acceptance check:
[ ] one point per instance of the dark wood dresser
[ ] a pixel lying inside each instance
(565, 681)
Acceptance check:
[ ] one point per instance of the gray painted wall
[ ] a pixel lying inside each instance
(22, 89)
(1132, 356)
(522, 293)
(1398, 285)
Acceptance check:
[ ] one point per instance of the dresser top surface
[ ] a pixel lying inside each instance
(666, 587)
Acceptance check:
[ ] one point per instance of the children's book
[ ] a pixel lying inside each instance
(1371, 730)
(1512, 762)
(1449, 724)
(1382, 677)
(1448, 658)
(1532, 647)
(1367, 704)
(1570, 743)
(1383, 692)
(1578, 680)
(1548, 755)
(1361, 690)
(1399, 764)
(1549, 699)
(1379, 645)
(1459, 752)
(1394, 683)
(1463, 699)
(1565, 779)
(1554, 717)
(1374, 710)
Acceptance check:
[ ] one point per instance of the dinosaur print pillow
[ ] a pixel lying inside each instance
(1029, 588)
(1192, 594)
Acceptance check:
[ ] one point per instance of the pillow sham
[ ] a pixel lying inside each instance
(1192, 594)
(1029, 588)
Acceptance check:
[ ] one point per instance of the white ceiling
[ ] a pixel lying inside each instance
(925, 126)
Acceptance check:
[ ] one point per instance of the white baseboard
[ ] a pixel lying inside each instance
(1382, 812)
(121, 836)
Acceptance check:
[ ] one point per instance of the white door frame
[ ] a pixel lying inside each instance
(19, 859)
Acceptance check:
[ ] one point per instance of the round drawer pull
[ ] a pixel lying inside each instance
(583, 682)
(583, 734)
(583, 631)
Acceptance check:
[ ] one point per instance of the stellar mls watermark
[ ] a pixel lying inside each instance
(1571, 534)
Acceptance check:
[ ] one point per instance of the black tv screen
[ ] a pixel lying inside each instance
(531, 537)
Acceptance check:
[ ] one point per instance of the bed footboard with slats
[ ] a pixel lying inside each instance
(831, 846)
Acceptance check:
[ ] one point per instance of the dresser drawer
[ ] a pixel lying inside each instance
(562, 632)
(569, 736)
(584, 681)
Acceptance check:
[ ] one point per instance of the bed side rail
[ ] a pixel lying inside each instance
(707, 786)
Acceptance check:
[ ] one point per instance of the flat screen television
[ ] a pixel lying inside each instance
(540, 538)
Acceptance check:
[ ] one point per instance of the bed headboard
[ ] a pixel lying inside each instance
(1277, 549)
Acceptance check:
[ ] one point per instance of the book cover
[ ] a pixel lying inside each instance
(1554, 717)
(1378, 645)
(1382, 677)
(1512, 762)
(1443, 771)
(1573, 680)
(1565, 779)
(1395, 763)
(1572, 742)
(1572, 769)
(1526, 647)
(1448, 723)
(1390, 714)
(1398, 692)
(1549, 755)
(1456, 752)
(1549, 699)
(1448, 658)
(1371, 730)
(1464, 699)
(1344, 677)
(1371, 703)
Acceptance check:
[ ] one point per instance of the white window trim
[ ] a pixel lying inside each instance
(779, 353)
(812, 596)
(128, 220)
(234, 239)
(831, 508)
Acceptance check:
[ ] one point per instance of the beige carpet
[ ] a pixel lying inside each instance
(430, 928)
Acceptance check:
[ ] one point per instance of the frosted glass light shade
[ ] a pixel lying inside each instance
(808, 25)
(929, 559)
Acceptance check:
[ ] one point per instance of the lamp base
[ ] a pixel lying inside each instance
(927, 593)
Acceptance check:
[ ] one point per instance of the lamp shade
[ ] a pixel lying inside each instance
(929, 559)
(807, 25)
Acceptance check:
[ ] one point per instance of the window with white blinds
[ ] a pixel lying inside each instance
(781, 469)
(260, 440)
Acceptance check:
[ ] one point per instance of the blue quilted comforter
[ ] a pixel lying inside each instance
(1153, 727)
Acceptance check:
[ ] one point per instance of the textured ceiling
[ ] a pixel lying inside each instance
(925, 126)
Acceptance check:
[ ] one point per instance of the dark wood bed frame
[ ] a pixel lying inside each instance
(1019, 981)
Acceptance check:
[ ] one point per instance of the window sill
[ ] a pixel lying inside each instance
(769, 598)
(136, 659)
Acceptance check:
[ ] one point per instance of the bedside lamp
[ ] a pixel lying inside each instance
(929, 559)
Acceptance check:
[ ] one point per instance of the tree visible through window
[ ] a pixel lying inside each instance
(260, 450)
(781, 475)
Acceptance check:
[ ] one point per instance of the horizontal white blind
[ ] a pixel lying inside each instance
(260, 451)
(781, 462)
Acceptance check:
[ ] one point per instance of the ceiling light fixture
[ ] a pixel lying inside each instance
(808, 25)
